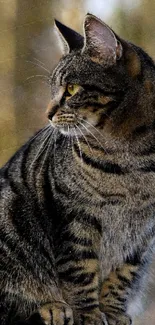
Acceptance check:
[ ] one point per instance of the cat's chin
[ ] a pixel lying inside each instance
(70, 131)
(67, 129)
(76, 130)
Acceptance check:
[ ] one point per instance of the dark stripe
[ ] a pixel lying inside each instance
(111, 287)
(90, 221)
(13, 246)
(150, 167)
(66, 70)
(118, 298)
(120, 287)
(88, 308)
(105, 92)
(77, 256)
(15, 188)
(82, 241)
(140, 130)
(113, 195)
(82, 279)
(110, 202)
(106, 167)
(98, 148)
(86, 103)
(61, 69)
(148, 151)
(143, 129)
(17, 253)
(66, 236)
(133, 273)
(124, 280)
(83, 254)
(87, 291)
(88, 300)
(25, 231)
(109, 108)
(70, 272)
(110, 308)
(94, 104)
(133, 259)
(61, 190)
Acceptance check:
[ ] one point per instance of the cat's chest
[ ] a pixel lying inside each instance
(105, 194)
(120, 202)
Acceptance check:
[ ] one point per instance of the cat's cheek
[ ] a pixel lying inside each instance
(93, 120)
(90, 117)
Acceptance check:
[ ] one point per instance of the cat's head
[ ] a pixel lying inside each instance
(98, 82)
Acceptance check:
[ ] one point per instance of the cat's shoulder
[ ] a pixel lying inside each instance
(42, 141)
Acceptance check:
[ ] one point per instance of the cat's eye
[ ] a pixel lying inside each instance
(72, 89)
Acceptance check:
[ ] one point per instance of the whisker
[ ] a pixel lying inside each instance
(72, 146)
(109, 117)
(42, 63)
(85, 138)
(38, 76)
(92, 126)
(55, 145)
(77, 139)
(38, 65)
(94, 137)
(41, 131)
(69, 136)
(42, 147)
(41, 81)
(47, 145)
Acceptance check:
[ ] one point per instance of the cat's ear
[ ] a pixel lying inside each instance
(70, 40)
(101, 44)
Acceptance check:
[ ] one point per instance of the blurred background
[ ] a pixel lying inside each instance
(28, 52)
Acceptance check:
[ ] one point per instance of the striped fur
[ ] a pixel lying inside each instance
(78, 199)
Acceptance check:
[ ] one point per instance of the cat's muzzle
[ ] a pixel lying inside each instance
(64, 118)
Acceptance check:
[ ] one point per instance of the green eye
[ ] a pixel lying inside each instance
(72, 89)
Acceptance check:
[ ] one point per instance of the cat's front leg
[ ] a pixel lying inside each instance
(114, 294)
(78, 268)
(57, 313)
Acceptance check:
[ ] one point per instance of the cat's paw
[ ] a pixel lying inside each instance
(56, 313)
(90, 319)
(118, 319)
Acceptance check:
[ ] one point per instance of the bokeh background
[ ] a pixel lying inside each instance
(28, 52)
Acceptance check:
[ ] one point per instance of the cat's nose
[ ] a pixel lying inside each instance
(54, 103)
(52, 112)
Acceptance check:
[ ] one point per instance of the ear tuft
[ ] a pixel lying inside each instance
(70, 39)
(100, 41)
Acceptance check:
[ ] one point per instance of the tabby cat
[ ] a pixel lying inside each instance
(78, 199)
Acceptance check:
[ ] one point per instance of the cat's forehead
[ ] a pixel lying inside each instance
(80, 69)
(71, 66)
(77, 68)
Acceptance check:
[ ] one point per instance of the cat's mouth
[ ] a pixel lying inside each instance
(70, 124)
(65, 122)
(65, 118)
